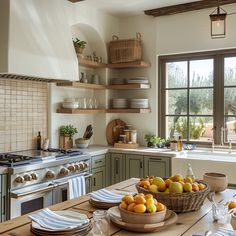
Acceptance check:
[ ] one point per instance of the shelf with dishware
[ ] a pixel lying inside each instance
(95, 111)
(76, 84)
(81, 111)
(93, 64)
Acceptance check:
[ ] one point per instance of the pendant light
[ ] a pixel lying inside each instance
(218, 22)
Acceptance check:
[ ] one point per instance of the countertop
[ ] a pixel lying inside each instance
(196, 222)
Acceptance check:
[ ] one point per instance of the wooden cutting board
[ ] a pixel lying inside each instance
(113, 130)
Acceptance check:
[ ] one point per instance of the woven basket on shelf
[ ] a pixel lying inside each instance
(126, 50)
(180, 202)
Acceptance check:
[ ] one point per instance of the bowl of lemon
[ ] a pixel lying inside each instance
(142, 209)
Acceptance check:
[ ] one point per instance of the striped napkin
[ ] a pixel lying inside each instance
(53, 221)
(77, 187)
(105, 195)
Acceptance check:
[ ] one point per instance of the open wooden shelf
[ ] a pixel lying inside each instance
(91, 64)
(80, 111)
(135, 64)
(75, 84)
(95, 111)
(81, 85)
(129, 110)
(128, 86)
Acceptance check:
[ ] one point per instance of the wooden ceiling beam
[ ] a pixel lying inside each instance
(191, 6)
(75, 1)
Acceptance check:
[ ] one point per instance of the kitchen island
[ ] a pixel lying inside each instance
(187, 224)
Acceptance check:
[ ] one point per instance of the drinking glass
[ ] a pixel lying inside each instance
(101, 223)
(220, 212)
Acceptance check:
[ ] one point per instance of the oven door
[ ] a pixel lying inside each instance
(60, 192)
(31, 198)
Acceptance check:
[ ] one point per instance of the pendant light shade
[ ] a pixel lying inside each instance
(218, 23)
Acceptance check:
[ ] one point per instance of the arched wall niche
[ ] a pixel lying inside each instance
(95, 43)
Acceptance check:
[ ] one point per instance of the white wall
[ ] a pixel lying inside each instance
(96, 28)
(186, 32)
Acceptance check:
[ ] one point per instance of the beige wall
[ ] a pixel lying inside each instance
(23, 112)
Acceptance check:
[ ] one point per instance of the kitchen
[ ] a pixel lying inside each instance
(42, 50)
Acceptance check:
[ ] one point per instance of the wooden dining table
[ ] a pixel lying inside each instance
(195, 222)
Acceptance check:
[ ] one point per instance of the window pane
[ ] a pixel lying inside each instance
(230, 133)
(201, 101)
(176, 74)
(173, 126)
(230, 101)
(200, 128)
(230, 71)
(201, 73)
(176, 102)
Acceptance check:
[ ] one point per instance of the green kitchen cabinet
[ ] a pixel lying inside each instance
(98, 178)
(134, 166)
(157, 166)
(98, 172)
(3, 198)
(117, 164)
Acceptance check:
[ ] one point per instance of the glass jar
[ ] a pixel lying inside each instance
(133, 136)
(101, 223)
(122, 138)
(127, 133)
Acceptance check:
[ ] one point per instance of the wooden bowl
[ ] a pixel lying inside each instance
(218, 182)
(142, 218)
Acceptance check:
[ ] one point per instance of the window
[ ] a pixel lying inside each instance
(197, 96)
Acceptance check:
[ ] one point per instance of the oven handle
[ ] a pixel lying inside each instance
(41, 190)
(59, 184)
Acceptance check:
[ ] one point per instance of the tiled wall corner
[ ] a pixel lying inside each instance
(23, 112)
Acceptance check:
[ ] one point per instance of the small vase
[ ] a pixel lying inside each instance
(65, 142)
(79, 50)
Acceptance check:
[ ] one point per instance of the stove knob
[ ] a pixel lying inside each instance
(27, 177)
(86, 165)
(50, 174)
(71, 168)
(76, 165)
(19, 179)
(34, 176)
(64, 171)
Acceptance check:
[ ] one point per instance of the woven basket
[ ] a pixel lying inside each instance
(180, 202)
(126, 50)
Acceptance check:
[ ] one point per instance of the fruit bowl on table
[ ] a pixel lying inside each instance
(142, 218)
(179, 201)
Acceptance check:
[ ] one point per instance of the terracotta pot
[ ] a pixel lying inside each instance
(65, 142)
(79, 50)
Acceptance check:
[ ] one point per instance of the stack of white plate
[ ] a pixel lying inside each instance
(70, 105)
(138, 80)
(119, 103)
(139, 103)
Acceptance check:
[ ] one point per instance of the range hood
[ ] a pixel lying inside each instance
(36, 41)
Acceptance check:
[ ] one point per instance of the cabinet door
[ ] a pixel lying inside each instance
(134, 166)
(117, 167)
(4, 212)
(98, 178)
(157, 166)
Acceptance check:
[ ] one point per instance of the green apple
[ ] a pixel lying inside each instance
(158, 181)
(153, 188)
(176, 187)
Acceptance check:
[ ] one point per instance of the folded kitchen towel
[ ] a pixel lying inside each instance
(105, 195)
(77, 187)
(51, 220)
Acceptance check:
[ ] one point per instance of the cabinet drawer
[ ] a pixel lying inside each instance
(98, 161)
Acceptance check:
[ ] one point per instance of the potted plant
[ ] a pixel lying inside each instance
(154, 141)
(79, 45)
(66, 136)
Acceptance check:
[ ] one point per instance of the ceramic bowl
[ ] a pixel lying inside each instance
(218, 182)
(142, 218)
(82, 143)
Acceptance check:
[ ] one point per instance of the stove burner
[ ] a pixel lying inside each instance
(10, 159)
(65, 153)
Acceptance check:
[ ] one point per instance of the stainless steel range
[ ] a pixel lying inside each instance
(38, 179)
